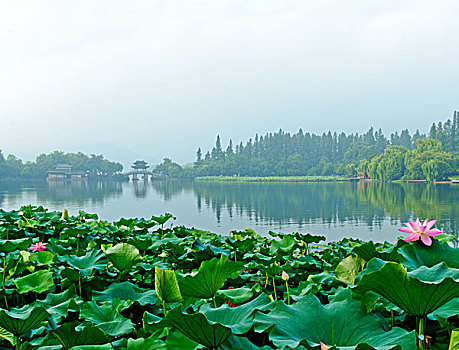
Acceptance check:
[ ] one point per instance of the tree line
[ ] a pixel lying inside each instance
(95, 165)
(402, 155)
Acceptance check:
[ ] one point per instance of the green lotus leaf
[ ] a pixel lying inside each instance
(308, 238)
(126, 291)
(234, 342)
(419, 292)
(211, 276)
(166, 286)
(38, 282)
(454, 341)
(8, 336)
(59, 305)
(141, 242)
(92, 347)
(107, 317)
(163, 218)
(69, 335)
(42, 258)
(239, 319)
(416, 255)
(343, 324)
(196, 327)
(450, 309)
(123, 256)
(348, 269)
(148, 343)
(178, 340)
(286, 244)
(86, 264)
(23, 320)
(368, 251)
(9, 245)
(238, 295)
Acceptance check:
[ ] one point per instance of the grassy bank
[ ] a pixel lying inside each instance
(271, 178)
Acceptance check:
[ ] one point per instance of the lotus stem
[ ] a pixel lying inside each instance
(79, 284)
(215, 303)
(392, 320)
(421, 325)
(266, 283)
(18, 342)
(288, 294)
(3, 281)
(274, 286)
(235, 258)
(164, 308)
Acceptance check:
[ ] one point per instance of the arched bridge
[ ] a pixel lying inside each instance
(140, 173)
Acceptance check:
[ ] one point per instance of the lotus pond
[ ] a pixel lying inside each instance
(77, 282)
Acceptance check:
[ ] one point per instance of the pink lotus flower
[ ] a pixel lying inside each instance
(323, 346)
(416, 231)
(38, 247)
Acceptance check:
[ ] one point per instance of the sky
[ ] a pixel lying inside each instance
(159, 79)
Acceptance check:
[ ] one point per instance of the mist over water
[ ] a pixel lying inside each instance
(361, 210)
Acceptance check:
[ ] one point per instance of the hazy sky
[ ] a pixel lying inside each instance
(161, 78)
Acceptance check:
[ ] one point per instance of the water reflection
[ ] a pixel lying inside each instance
(315, 207)
(363, 203)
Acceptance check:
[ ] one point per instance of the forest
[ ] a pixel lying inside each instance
(417, 156)
(95, 165)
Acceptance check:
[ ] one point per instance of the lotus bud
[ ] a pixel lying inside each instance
(285, 276)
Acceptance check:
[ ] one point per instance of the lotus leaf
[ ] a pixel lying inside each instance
(238, 295)
(239, 319)
(211, 276)
(42, 258)
(343, 324)
(419, 292)
(348, 269)
(7, 336)
(196, 327)
(368, 251)
(126, 291)
(416, 255)
(23, 320)
(163, 218)
(86, 264)
(454, 342)
(166, 286)
(123, 256)
(107, 317)
(69, 336)
(38, 282)
(8, 245)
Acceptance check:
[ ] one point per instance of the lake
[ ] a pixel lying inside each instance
(363, 210)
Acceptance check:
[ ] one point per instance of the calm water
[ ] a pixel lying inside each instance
(364, 210)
